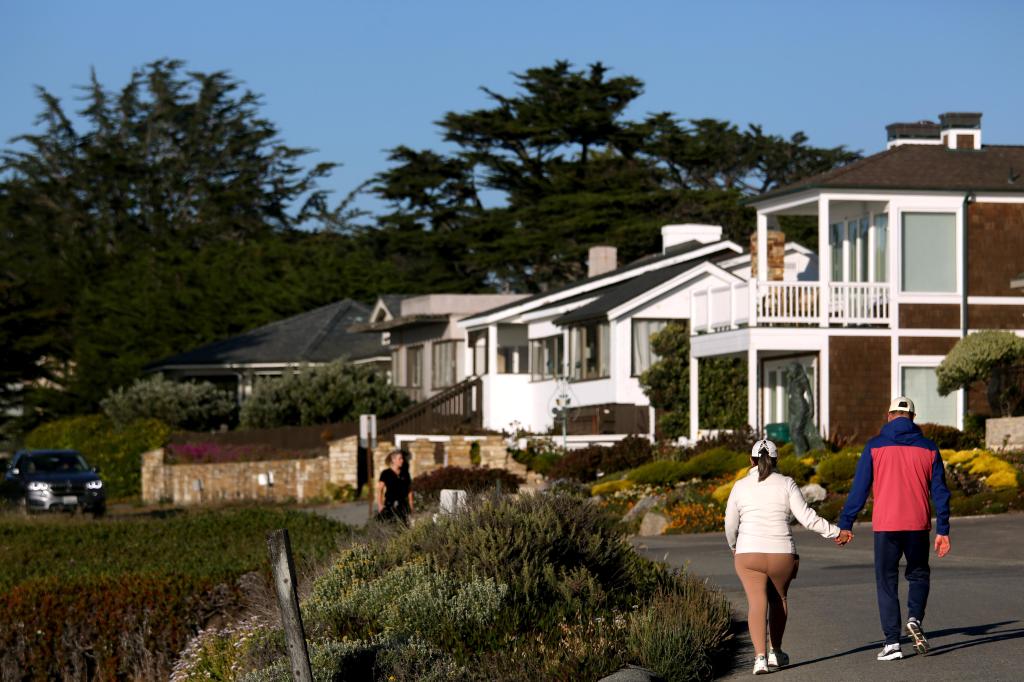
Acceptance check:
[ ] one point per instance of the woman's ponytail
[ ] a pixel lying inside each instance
(765, 464)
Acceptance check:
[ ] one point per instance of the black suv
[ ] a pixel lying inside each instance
(54, 480)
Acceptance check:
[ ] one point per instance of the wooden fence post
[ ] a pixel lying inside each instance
(284, 584)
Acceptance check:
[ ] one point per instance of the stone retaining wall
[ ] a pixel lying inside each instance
(305, 479)
(1004, 433)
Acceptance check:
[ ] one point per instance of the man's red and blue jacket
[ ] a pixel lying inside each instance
(900, 467)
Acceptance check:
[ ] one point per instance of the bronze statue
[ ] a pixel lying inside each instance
(802, 429)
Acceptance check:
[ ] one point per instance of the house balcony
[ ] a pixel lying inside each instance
(817, 304)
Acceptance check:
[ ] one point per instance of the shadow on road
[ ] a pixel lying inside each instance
(970, 631)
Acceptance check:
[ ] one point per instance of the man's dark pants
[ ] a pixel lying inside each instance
(889, 547)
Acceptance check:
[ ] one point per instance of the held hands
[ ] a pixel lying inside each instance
(844, 538)
(941, 545)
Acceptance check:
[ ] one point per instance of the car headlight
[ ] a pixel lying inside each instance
(93, 485)
(38, 486)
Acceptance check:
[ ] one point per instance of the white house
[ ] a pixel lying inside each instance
(590, 341)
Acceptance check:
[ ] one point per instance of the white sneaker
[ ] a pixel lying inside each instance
(761, 665)
(890, 652)
(917, 636)
(777, 658)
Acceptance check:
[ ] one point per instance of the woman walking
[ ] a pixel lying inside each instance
(757, 518)
(394, 489)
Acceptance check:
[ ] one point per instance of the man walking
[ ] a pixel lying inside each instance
(901, 467)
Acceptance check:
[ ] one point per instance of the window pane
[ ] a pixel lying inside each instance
(643, 356)
(836, 241)
(862, 251)
(881, 247)
(415, 368)
(922, 386)
(929, 252)
(444, 366)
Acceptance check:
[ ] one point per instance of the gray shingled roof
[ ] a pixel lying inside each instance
(319, 335)
(993, 168)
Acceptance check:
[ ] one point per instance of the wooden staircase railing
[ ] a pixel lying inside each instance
(460, 406)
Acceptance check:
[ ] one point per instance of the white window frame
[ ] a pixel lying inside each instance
(925, 362)
(896, 255)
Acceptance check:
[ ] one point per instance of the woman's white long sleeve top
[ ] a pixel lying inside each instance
(758, 514)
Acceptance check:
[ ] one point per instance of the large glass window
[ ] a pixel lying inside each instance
(589, 351)
(881, 247)
(546, 358)
(922, 386)
(643, 355)
(414, 366)
(444, 365)
(929, 252)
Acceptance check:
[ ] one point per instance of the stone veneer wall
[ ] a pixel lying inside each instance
(1004, 433)
(307, 479)
(293, 479)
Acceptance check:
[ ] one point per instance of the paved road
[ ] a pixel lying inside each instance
(975, 619)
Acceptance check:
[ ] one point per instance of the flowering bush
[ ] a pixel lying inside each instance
(695, 517)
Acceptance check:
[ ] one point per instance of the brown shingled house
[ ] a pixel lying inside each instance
(919, 245)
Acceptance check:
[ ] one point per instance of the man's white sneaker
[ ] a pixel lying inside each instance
(917, 636)
(761, 665)
(890, 652)
(777, 658)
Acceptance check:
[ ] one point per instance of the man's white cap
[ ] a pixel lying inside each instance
(902, 404)
(773, 451)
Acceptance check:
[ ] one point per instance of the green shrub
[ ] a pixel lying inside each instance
(117, 452)
(740, 439)
(949, 437)
(663, 472)
(320, 395)
(628, 453)
(580, 465)
(836, 472)
(715, 462)
(195, 406)
(540, 454)
(679, 633)
(791, 466)
(428, 487)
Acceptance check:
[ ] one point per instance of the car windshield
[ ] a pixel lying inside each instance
(54, 462)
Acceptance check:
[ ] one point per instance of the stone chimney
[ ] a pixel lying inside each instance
(776, 255)
(677, 235)
(601, 259)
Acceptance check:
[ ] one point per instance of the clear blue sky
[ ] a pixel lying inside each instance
(354, 78)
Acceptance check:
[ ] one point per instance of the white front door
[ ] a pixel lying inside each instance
(774, 399)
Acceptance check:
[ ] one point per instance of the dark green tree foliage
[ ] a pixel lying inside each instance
(570, 171)
(165, 218)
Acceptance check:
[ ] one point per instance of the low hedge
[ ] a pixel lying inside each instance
(129, 626)
(118, 598)
(117, 452)
(836, 472)
(428, 487)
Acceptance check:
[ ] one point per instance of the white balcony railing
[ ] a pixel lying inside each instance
(784, 303)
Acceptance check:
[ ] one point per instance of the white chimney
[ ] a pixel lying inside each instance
(601, 259)
(673, 235)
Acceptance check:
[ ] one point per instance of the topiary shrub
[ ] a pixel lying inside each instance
(428, 487)
(335, 392)
(836, 472)
(195, 406)
(986, 356)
